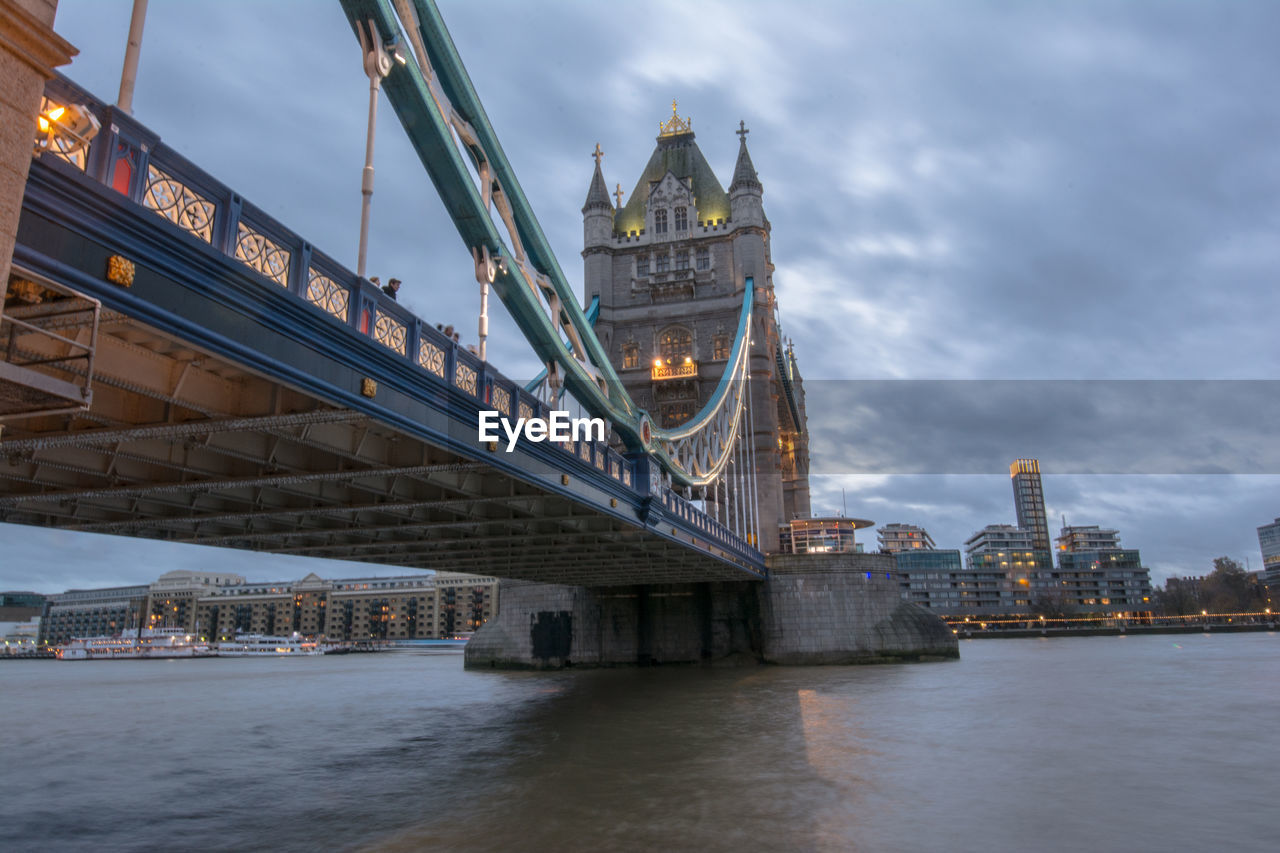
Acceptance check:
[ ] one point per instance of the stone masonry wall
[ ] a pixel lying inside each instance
(29, 51)
(845, 608)
(815, 609)
(549, 626)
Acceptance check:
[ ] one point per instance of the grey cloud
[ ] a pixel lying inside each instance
(1094, 427)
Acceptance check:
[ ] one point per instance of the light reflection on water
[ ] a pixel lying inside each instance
(1138, 743)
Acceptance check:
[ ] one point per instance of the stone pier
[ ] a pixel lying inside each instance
(814, 609)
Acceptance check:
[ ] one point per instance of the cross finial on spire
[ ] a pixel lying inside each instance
(742, 130)
(597, 154)
(673, 107)
(618, 192)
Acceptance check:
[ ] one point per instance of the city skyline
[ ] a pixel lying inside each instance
(1039, 193)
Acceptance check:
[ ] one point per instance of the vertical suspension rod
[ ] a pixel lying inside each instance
(377, 64)
(132, 51)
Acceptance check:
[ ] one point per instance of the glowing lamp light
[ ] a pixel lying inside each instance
(657, 362)
(52, 115)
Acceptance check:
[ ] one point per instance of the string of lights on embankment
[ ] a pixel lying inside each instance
(1036, 622)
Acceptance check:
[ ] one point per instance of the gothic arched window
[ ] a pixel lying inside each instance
(675, 344)
(682, 219)
(660, 222)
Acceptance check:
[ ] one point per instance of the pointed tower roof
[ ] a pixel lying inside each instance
(744, 171)
(677, 153)
(598, 194)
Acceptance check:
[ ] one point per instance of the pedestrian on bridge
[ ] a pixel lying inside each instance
(392, 288)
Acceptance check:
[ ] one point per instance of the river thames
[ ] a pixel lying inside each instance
(1101, 743)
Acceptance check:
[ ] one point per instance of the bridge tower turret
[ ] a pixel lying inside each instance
(597, 237)
(670, 273)
(745, 191)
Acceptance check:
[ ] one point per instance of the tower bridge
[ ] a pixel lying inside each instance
(180, 365)
(246, 390)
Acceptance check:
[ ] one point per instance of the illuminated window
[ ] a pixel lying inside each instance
(704, 259)
(720, 346)
(660, 222)
(674, 414)
(675, 344)
(682, 219)
(630, 355)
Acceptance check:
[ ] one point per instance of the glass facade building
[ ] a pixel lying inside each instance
(1028, 501)
(1269, 542)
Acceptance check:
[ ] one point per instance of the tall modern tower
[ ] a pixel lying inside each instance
(1028, 500)
(670, 268)
(1269, 542)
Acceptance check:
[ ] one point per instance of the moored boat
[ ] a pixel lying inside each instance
(263, 645)
(147, 643)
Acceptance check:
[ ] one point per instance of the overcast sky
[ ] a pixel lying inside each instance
(960, 192)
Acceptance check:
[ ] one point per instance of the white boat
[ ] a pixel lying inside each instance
(147, 643)
(262, 645)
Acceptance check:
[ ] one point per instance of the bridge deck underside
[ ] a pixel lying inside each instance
(182, 446)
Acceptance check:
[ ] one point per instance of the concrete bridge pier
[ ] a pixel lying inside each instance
(814, 609)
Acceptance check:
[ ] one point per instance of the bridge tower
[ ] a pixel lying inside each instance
(669, 267)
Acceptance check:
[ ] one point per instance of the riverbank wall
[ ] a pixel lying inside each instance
(813, 610)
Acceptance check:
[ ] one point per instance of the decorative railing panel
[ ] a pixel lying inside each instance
(262, 254)
(502, 399)
(464, 377)
(179, 204)
(389, 332)
(328, 295)
(431, 357)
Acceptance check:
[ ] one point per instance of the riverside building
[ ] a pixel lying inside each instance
(92, 613)
(1095, 574)
(1006, 575)
(1002, 566)
(219, 605)
(904, 537)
